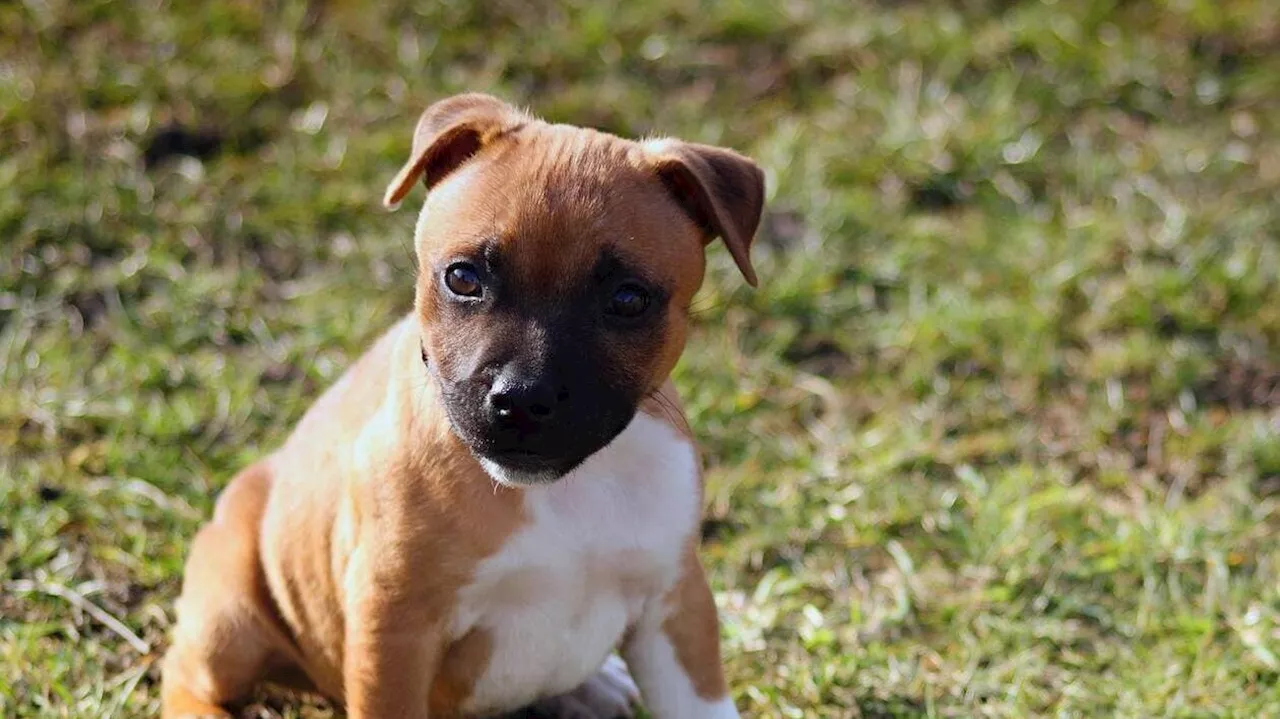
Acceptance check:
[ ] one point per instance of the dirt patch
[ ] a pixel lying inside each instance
(1241, 384)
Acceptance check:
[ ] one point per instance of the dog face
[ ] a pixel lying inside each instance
(556, 270)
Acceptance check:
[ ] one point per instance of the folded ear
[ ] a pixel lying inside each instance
(448, 133)
(721, 190)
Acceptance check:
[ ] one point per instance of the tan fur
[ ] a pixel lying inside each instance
(694, 630)
(338, 558)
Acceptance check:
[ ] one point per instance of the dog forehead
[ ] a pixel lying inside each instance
(554, 198)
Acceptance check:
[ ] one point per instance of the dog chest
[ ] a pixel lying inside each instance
(598, 544)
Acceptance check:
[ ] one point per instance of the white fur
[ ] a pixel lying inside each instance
(597, 545)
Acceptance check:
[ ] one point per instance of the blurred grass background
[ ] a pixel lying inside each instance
(999, 435)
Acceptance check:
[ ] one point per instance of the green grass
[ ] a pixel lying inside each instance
(999, 435)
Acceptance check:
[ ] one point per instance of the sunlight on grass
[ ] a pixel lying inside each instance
(999, 435)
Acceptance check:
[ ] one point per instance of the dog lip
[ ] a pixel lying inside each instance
(518, 455)
(524, 459)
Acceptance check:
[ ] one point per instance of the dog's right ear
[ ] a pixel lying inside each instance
(448, 133)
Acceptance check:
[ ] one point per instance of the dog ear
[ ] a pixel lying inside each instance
(721, 190)
(449, 132)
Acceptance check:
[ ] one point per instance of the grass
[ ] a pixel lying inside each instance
(999, 435)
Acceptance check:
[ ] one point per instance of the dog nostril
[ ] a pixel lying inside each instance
(501, 404)
(539, 410)
(564, 395)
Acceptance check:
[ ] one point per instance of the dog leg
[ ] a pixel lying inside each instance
(393, 646)
(674, 653)
(224, 635)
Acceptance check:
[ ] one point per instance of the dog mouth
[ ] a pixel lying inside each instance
(522, 468)
(524, 460)
(514, 465)
(517, 457)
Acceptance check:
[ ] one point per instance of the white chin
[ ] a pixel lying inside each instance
(514, 477)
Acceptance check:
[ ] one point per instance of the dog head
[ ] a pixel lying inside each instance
(556, 266)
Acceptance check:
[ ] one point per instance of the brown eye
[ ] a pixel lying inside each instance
(629, 300)
(463, 280)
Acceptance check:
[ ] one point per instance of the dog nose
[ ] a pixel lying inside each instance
(523, 402)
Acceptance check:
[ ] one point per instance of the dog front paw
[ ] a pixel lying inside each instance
(608, 694)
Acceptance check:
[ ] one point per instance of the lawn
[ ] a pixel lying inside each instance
(998, 435)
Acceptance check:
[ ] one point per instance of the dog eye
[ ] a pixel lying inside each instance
(463, 280)
(629, 300)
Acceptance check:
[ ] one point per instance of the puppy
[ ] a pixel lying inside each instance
(503, 491)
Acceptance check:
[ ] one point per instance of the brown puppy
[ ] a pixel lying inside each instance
(503, 490)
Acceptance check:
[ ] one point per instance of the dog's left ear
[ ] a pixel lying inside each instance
(448, 134)
(722, 190)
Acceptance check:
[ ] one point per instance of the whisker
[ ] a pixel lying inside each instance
(667, 406)
(698, 311)
(411, 254)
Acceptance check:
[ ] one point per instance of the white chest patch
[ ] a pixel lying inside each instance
(558, 596)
